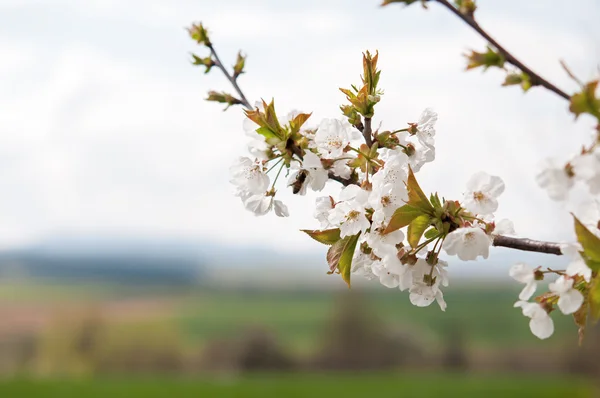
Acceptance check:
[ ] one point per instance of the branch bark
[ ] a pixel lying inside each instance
(367, 132)
(529, 245)
(229, 77)
(535, 78)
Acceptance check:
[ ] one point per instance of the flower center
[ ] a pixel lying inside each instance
(353, 215)
(386, 201)
(478, 196)
(334, 142)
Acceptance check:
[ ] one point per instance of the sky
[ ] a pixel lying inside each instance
(104, 129)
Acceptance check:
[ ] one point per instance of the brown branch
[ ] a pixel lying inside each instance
(525, 244)
(344, 181)
(232, 80)
(367, 132)
(535, 78)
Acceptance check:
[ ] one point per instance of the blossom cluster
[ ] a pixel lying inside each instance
(380, 184)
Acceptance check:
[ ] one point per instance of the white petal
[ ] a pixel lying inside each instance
(542, 327)
(570, 301)
(281, 209)
(528, 291)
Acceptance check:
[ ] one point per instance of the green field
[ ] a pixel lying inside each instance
(484, 316)
(295, 386)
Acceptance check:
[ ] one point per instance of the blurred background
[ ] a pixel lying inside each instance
(128, 268)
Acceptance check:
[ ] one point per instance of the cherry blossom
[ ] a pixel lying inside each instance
(426, 127)
(523, 273)
(569, 299)
(248, 176)
(555, 179)
(482, 192)
(541, 324)
(332, 137)
(467, 243)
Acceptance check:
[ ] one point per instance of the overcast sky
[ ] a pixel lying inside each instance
(104, 130)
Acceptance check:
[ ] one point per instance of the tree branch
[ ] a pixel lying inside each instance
(344, 181)
(525, 244)
(229, 77)
(535, 79)
(367, 132)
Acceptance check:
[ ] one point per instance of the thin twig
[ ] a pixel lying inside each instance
(529, 245)
(229, 77)
(535, 79)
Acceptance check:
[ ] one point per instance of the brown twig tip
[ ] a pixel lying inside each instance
(529, 245)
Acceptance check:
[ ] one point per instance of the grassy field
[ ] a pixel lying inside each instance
(485, 316)
(325, 385)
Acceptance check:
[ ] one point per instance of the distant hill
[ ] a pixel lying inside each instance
(169, 260)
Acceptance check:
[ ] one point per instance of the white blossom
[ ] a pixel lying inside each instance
(384, 200)
(323, 206)
(587, 168)
(393, 173)
(541, 324)
(554, 178)
(523, 273)
(504, 227)
(422, 295)
(482, 192)
(317, 175)
(418, 153)
(340, 168)
(426, 127)
(467, 243)
(262, 204)
(349, 214)
(383, 245)
(569, 299)
(332, 137)
(362, 265)
(248, 176)
(392, 273)
(577, 265)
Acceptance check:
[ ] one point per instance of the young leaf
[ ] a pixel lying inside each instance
(416, 197)
(435, 201)
(590, 244)
(586, 101)
(402, 217)
(431, 233)
(326, 237)
(339, 256)
(416, 229)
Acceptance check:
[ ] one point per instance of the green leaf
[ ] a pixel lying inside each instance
(238, 68)
(486, 59)
(586, 101)
(298, 121)
(339, 256)
(431, 233)
(326, 237)
(435, 201)
(266, 132)
(402, 217)
(416, 229)
(416, 197)
(590, 244)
